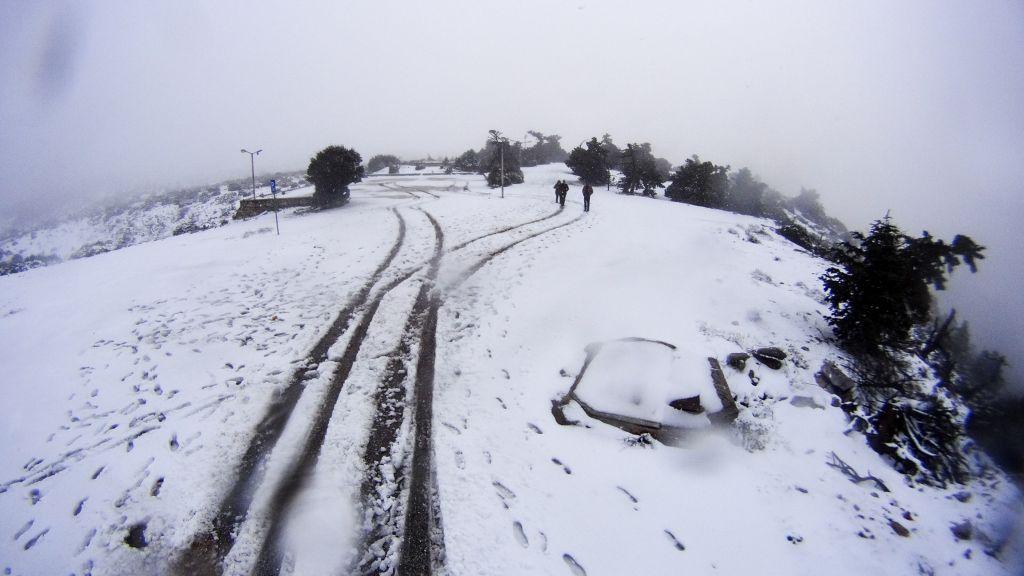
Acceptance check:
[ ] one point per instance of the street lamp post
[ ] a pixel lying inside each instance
(252, 164)
(500, 141)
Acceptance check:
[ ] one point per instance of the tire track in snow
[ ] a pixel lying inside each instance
(208, 549)
(271, 553)
(381, 485)
(421, 548)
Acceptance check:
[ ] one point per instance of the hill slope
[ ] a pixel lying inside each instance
(131, 398)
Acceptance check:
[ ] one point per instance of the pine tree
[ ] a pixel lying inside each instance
(699, 183)
(879, 289)
(639, 170)
(491, 161)
(612, 153)
(380, 161)
(746, 193)
(589, 163)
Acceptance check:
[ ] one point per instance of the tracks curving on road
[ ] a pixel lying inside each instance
(409, 530)
(209, 548)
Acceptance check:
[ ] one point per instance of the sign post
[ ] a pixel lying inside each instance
(273, 194)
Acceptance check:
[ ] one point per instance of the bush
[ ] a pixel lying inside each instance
(699, 183)
(331, 171)
(381, 161)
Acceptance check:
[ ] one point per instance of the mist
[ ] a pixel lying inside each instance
(911, 107)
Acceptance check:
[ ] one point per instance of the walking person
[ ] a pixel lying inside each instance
(558, 191)
(587, 191)
(562, 194)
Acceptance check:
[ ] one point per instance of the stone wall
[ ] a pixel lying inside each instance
(248, 207)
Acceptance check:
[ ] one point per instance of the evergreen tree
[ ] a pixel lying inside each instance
(381, 161)
(613, 155)
(879, 289)
(468, 161)
(639, 171)
(590, 163)
(545, 150)
(746, 193)
(491, 161)
(699, 183)
(331, 171)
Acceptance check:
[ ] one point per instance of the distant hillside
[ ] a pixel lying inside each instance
(123, 222)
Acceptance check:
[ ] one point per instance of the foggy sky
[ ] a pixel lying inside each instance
(913, 107)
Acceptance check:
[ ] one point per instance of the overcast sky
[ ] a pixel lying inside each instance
(913, 107)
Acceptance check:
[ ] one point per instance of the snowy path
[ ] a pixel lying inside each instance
(383, 488)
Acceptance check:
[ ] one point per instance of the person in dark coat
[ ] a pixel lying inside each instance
(587, 191)
(558, 191)
(564, 193)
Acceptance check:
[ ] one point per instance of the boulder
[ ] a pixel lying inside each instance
(831, 378)
(737, 360)
(691, 404)
(770, 356)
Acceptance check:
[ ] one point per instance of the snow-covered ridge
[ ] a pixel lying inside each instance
(131, 398)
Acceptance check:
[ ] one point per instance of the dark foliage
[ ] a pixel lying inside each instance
(381, 161)
(545, 150)
(590, 163)
(468, 161)
(15, 263)
(331, 171)
(699, 183)
(497, 151)
(612, 153)
(746, 193)
(639, 171)
(879, 289)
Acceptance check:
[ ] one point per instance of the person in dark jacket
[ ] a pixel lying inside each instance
(558, 191)
(587, 191)
(564, 193)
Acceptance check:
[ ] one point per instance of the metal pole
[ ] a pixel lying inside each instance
(273, 194)
(252, 164)
(502, 144)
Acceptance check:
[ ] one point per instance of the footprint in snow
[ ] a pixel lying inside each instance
(574, 566)
(517, 530)
(25, 528)
(35, 539)
(504, 494)
(460, 460)
(452, 428)
(632, 498)
(675, 541)
(534, 427)
(564, 467)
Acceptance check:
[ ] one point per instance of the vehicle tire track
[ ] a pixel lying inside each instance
(208, 550)
(421, 549)
(271, 554)
(491, 256)
(377, 488)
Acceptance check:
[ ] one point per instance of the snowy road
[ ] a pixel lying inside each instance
(391, 504)
(371, 393)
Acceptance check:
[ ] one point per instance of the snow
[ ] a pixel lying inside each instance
(136, 378)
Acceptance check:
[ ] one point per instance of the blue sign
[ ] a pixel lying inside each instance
(273, 186)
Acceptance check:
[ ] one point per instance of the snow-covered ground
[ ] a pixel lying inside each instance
(133, 381)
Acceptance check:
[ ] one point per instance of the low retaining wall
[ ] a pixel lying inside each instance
(248, 207)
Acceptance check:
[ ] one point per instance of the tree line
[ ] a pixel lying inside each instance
(879, 289)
